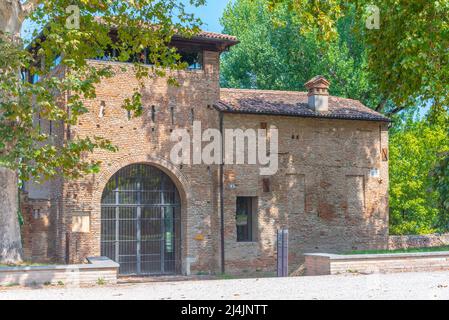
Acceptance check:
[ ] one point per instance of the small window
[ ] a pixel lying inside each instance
(153, 114)
(246, 219)
(102, 109)
(266, 184)
(192, 116)
(172, 115)
(108, 54)
(193, 57)
(140, 57)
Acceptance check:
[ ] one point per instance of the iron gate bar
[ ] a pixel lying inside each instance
(138, 235)
(117, 228)
(137, 208)
(162, 243)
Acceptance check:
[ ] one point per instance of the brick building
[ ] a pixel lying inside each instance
(157, 217)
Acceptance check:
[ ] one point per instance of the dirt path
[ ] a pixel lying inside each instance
(387, 286)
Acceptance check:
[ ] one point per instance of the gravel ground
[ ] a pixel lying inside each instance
(384, 286)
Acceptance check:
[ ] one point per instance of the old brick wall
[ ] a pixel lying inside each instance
(418, 241)
(323, 192)
(327, 264)
(36, 231)
(48, 191)
(142, 140)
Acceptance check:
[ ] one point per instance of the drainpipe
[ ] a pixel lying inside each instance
(221, 196)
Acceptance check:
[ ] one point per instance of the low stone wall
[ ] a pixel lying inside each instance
(98, 269)
(413, 241)
(327, 264)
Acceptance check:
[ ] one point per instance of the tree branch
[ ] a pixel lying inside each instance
(395, 110)
(28, 7)
(381, 104)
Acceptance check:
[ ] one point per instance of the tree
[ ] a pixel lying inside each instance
(273, 55)
(440, 184)
(415, 149)
(440, 173)
(71, 32)
(407, 50)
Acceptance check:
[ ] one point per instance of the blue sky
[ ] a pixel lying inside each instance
(210, 14)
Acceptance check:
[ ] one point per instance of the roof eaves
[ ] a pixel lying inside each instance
(228, 109)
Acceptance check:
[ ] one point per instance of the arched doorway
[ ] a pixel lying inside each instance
(140, 221)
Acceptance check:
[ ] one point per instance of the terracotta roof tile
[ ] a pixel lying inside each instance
(291, 103)
(202, 34)
(217, 36)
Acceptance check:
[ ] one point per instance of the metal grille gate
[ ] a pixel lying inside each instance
(140, 221)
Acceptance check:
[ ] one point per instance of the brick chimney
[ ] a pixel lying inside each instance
(318, 94)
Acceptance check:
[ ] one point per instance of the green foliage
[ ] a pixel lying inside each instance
(10, 284)
(316, 16)
(440, 182)
(415, 146)
(141, 24)
(225, 276)
(407, 55)
(273, 55)
(408, 250)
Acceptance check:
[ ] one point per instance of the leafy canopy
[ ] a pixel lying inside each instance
(140, 24)
(416, 146)
(407, 56)
(272, 54)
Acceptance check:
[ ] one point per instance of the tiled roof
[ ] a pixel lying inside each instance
(291, 103)
(216, 36)
(202, 34)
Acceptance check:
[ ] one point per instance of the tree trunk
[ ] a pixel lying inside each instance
(12, 14)
(10, 240)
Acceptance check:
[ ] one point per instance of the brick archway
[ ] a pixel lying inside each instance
(170, 169)
(165, 165)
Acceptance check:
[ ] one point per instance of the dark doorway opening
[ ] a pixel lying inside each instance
(140, 221)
